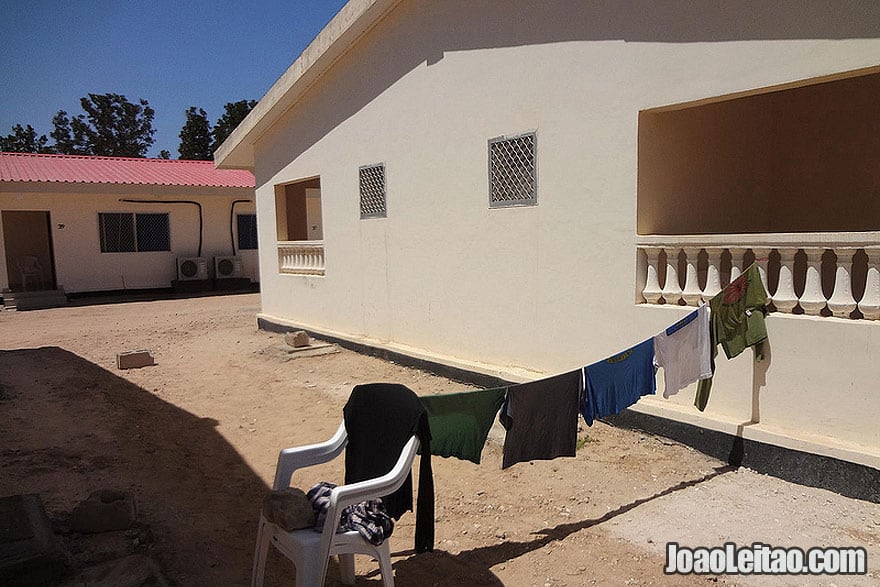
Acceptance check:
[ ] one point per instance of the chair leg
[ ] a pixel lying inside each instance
(311, 573)
(260, 553)
(385, 564)
(346, 568)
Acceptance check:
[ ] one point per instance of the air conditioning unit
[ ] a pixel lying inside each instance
(192, 268)
(227, 267)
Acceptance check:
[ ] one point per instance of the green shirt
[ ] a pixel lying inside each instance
(460, 422)
(737, 322)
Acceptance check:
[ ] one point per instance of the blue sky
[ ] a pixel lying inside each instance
(173, 54)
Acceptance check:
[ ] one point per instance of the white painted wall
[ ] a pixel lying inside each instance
(79, 263)
(539, 290)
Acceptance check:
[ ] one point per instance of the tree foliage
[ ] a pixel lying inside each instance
(233, 115)
(111, 126)
(63, 135)
(195, 136)
(25, 140)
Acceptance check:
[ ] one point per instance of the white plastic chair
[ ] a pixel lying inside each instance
(29, 269)
(309, 550)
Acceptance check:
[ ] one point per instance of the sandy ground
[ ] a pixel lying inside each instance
(195, 438)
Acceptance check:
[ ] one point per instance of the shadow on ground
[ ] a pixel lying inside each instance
(70, 427)
(473, 567)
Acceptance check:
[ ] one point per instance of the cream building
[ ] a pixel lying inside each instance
(514, 188)
(94, 224)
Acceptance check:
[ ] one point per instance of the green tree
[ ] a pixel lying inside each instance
(63, 135)
(164, 154)
(195, 136)
(111, 126)
(233, 115)
(24, 140)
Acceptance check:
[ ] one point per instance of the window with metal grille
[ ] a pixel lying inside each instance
(513, 178)
(126, 232)
(372, 187)
(247, 231)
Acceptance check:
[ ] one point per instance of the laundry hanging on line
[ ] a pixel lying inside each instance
(737, 322)
(615, 383)
(540, 419)
(537, 416)
(683, 351)
(460, 422)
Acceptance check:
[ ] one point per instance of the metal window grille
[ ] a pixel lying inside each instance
(247, 231)
(125, 232)
(372, 188)
(513, 177)
(152, 232)
(117, 232)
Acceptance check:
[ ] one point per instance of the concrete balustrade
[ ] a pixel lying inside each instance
(794, 264)
(301, 257)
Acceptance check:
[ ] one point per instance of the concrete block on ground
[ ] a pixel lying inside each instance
(313, 350)
(297, 339)
(104, 511)
(29, 551)
(134, 359)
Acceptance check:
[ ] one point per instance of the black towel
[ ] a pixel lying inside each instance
(379, 419)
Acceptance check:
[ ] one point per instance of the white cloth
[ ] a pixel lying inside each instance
(684, 351)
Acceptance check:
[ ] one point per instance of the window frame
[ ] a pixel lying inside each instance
(238, 231)
(384, 212)
(133, 236)
(501, 203)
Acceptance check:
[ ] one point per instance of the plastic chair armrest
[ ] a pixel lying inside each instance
(346, 495)
(291, 459)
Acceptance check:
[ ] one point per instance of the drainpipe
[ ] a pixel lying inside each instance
(231, 219)
(173, 202)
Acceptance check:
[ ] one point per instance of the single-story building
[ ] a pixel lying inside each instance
(98, 224)
(523, 188)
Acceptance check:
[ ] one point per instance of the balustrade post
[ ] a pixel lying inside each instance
(713, 273)
(869, 305)
(762, 258)
(784, 298)
(842, 303)
(671, 289)
(691, 292)
(652, 292)
(813, 300)
(736, 262)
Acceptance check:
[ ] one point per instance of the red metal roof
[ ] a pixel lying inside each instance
(32, 168)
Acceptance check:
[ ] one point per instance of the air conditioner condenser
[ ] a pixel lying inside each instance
(192, 268)
(227, 267)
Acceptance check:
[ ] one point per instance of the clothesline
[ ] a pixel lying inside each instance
(540, 417)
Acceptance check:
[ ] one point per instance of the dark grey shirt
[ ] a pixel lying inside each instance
(541, 419)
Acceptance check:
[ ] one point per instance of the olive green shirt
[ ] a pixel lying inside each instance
(737, 322)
